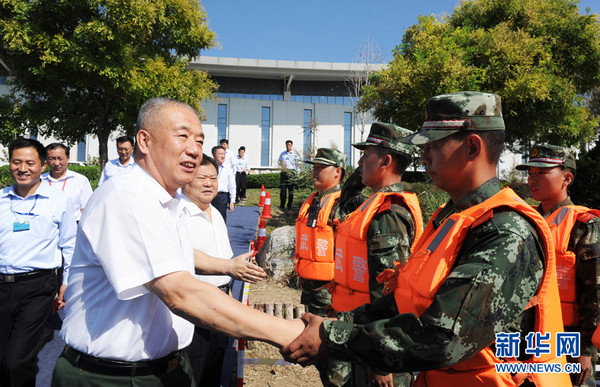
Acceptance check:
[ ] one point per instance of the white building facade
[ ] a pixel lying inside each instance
(262, 103)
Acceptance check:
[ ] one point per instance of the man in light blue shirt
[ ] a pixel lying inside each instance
(37, 229)
(121, 164)
(290, 162)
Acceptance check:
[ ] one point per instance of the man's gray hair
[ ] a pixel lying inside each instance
(152, 107)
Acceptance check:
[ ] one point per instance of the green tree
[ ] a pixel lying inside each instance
(540, 56)
(86, 66)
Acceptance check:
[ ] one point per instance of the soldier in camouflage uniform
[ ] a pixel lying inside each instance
(495, 273)
(551, 170)
(328, 171)
(329, 167)
(390, 233)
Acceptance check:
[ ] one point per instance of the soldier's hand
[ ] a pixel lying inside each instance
(380, 380)
(308, 348)
(243, 270)
(586, 367)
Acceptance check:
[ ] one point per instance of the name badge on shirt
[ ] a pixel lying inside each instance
(20, 226)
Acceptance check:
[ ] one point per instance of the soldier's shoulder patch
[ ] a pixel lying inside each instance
(585, 217)
(385, 206)
(484, 218)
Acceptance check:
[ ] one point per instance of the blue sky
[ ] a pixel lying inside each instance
(318, 30)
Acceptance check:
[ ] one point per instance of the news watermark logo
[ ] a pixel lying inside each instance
(508, 346)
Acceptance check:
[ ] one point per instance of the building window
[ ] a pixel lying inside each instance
(348, 135)
(334, 100)
(81, 150)
(268, 97)
(307, 126)
(222, 122)
(265, 136)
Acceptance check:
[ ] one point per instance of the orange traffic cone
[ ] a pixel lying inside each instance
(262, 196)
(267, 208)
(262, 234)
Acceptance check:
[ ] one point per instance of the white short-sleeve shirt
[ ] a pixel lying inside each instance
(131, 232)
(209, 237)
(75, 185)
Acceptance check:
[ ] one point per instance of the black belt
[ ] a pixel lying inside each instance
(222, 193)
(164, 365)
(25, 276)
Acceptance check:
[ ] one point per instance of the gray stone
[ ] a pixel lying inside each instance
(276, 254)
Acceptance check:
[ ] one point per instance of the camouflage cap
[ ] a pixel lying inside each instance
(386, 136)
(329, 156)
(548, 156)
(451, 113)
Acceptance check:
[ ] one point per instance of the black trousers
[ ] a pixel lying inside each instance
(26, 306)
(241, 180)
(221, 203)
(286, 189)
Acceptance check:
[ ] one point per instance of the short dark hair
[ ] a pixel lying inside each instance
(123, 139)
(28, 143)
(214, 149)
(224, 141)
(56, 145)
(207, 160)
(289, 141)
(401, 160)
(493, 139)
(242, 148)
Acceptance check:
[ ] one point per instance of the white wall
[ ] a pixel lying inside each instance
(244, 126)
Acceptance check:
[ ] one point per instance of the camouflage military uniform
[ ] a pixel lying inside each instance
(389, 239)
(585, 243)
(496, 273)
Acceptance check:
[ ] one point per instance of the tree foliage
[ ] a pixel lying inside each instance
(86, 66)
(584, 189)
(540, 56)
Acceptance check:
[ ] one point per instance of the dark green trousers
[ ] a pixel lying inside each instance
(67, 375)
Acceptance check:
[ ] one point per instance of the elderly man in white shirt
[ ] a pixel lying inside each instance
(209, 235)
(132, 299)
(75, 185)
(226, 196)
(122, 163)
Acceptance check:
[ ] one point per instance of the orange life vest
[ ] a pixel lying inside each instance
(596, 337)
(561, 224)
(314, 245)
(430, 264)
(351, 276)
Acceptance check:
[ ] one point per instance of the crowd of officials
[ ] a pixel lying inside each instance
(146, 267)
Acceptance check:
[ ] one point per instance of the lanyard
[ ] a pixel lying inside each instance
(29, 213)
(63, 187)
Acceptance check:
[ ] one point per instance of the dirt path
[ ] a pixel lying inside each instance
(275, 376)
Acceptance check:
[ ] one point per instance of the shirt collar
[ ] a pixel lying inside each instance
(129, 163)
(160, 192)
(477, 196)
(190, 207)
(566, 202)
(48, 176)
(396, 187)
(43, 190)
